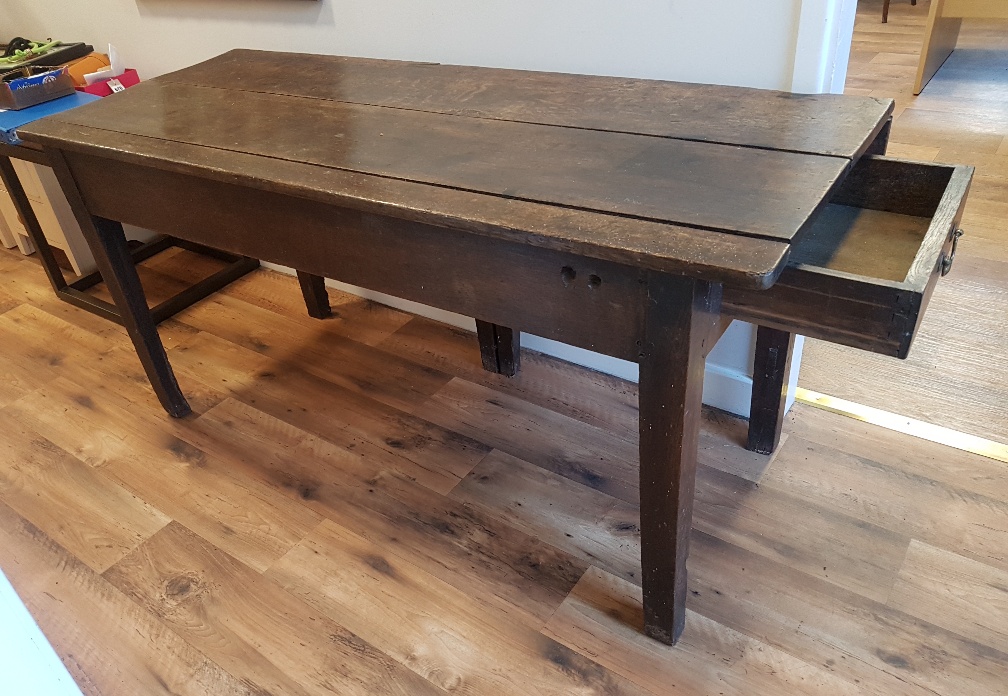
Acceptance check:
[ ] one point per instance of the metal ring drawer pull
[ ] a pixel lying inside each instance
(946, 262)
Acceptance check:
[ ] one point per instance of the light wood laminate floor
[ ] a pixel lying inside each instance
(957, 372)
(355, 507)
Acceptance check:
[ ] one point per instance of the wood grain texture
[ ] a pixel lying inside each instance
(856, 638)
(945, 515)
(944, 465)
(386, 378)
(464, 273)
(860, 247)
(957, 593)
(188, 484)
(526, 576)
(940, 37)
(771, 372)
(681, 319)
(38, 338)
(315, 296)
(437, 631)
(107, 242)
(237, 617)
(71, 501)
(109, 644)
(602, 615)
(863, 558)
(776, 120)
(743, 260)
(562, 512)
(541, 381)
(434, 456)
(353, 317)
(797, 583)
(746, 261)
(789, 579)
(449, 168)
(772, 193)
(952, 376)
(500, 348)
(576, 451)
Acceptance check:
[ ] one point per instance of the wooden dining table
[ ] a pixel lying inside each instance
(630, 217)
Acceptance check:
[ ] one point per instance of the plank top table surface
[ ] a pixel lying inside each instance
(710, 182)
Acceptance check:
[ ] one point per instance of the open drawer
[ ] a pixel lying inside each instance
(862, 274)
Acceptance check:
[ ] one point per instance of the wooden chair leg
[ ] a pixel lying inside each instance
(885, 11)
(500, 348)
(679, 319)
(315, 296)
(771, 368)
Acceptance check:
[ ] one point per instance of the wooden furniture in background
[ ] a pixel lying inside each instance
(610, 214)
(53, 213)
(885, 9)
(942, 31)
(54, 216)
(8, 236)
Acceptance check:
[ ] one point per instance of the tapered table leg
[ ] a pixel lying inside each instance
(112, 256)
(771, 367)
(500, 348)
(315, 296)
(680, 319)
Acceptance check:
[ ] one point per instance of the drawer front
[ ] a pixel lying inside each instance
(863, 274)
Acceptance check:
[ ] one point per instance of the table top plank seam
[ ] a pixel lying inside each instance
(824, 124)
(635, 176)
(461, 189)
(545, 124)
(733, 259)
(681, 178)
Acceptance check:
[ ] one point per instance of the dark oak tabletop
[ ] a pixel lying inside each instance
(707, 181)
(822, 124)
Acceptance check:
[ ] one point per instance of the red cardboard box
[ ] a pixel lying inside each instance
(101, 89)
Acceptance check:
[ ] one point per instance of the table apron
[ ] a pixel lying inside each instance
(589, 303)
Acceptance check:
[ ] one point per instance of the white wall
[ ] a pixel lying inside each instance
(730, 41)
(826, 28)
(776, 44)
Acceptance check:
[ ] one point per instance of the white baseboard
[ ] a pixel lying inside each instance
(623, 369)
(727, 385)
(727, 389)
(724, 387)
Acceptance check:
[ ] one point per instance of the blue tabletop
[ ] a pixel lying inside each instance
(10, 121)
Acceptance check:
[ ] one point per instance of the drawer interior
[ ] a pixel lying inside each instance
(862, 272)
(876, 224)
(861, 241)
